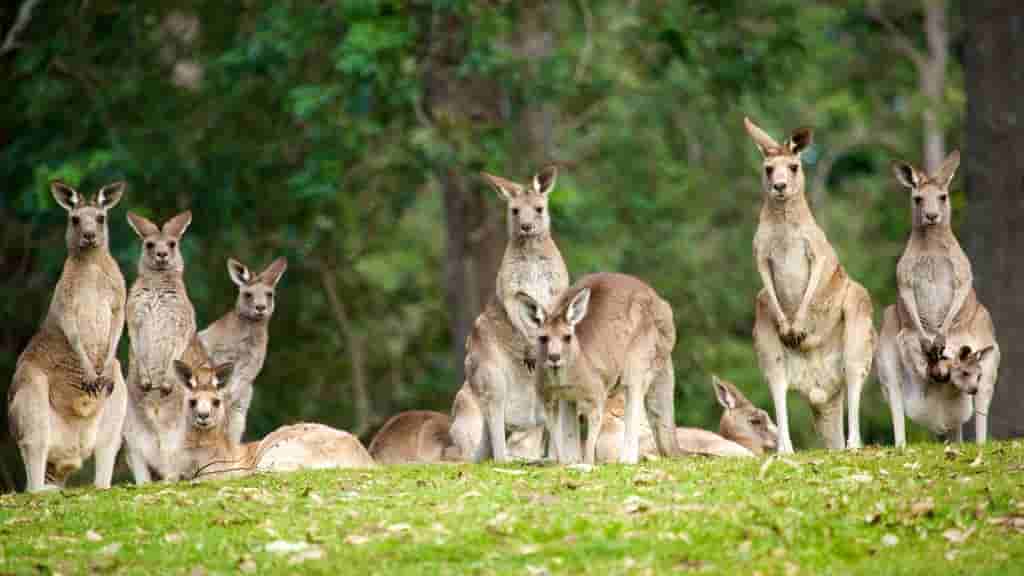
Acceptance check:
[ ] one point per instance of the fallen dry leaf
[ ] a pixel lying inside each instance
(923, 507)
(356, 539)
(285, 547)
(950, 452)
(174, 537)
(890, 540)
(111, 549)
(956, 536)
(400, 527)
(93, 536)
(314, 553)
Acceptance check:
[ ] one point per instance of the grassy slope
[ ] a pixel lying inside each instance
(813, 513)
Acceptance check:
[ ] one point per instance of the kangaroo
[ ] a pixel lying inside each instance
(241, 336)
(161, 326)
(67, 398)
(499, 349)
(607, 332)
(209, 452)
(414, 436)
(813, 328)
(744, 430)
(469, 430)
(937, 311)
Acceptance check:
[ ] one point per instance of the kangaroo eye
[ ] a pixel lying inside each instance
(101, 219)
(942, 198)
(567, 338)
(544, 338)
(172, 244)
(918, 200)
(755, 421)
(150, 245)
(216, 402)
(75, 220)
(248, 296)
(270, 295)
(193, 402)
(515, 211)
(793, 168)
(768, 170)
(539, 209)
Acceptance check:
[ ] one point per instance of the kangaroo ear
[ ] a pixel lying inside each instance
(507, 189)
(175, 227)
(577, 309)
(530, 311)
(906, 174)
(239, 274)
(143, 227)
(944, 175)
(723, 394)
(184, 372)
(110, 195)
(223, 374)
(544, 181)
(800, 140)
(272, 274)
(765, 143)
(65, 195)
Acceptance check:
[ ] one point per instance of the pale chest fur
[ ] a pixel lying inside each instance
(790, 257)
(94, 295)
(161, 321)
(934, 274)
(537, 271)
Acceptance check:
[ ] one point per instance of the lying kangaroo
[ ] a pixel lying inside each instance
(499, 349)
(410, 437)
(606, 332)
(812, 329)
(937, 311)
(209, 452)
(744, 429)
(161, 326)
(67, 398)
(241, 336)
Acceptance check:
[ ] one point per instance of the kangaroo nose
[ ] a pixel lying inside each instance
(554, 357)
(161, 255)
(89, 235)
(526, 227)
(932, 217)
(779, 186)
(261, 307)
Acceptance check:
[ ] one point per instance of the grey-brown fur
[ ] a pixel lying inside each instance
(67, 398)
(499, 348)
(936, 318)
(241, 336)
(161, 326)
(813, 328)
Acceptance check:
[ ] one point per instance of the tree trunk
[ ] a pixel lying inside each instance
(994, 230)
(933, 82)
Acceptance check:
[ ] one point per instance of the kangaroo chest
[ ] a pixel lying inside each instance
(790, 258)
(934, 281)
(539, 276)
(94, 302)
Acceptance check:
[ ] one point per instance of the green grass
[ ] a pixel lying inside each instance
(812, 513)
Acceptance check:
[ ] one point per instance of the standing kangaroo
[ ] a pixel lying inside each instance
(499, 349)
(67, 399)
(241, 336)
(208, 451)
(161, 326)
(607, 332)
(937, 309)
(744, 430)
(812, 329)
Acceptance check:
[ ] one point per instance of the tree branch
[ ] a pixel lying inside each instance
(901, 42)
(20, 22)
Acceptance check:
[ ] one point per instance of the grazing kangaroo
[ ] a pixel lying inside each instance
(607, 332)
(67, 398)
(241, 336)
(812, 329)
(937, 312)
(161, 326)
(744, 429)
(209, 452)
(499, 349)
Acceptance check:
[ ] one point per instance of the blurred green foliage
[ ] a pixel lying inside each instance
(298, 128)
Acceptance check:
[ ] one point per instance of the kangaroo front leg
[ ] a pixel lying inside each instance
(771, 357)
(858, 348)
(594, 418)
